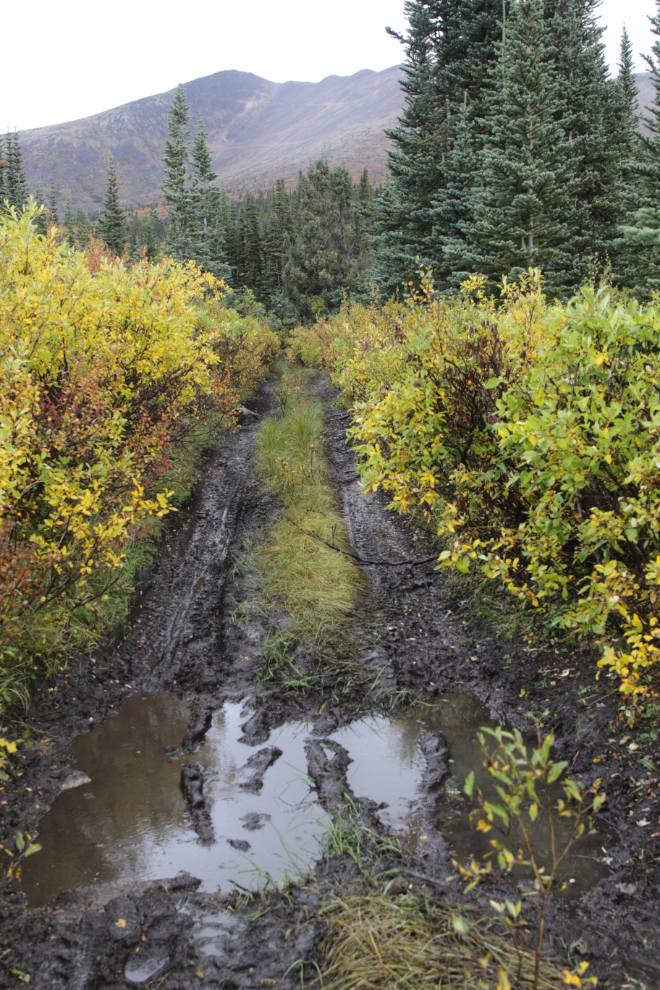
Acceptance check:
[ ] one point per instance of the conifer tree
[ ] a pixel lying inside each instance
(157, 225)
(529, 184)
(4, 165)
(112, 228)
(365, 190)
(327, 254)
(450, 50)
(627, 92)
(251, 243)
(453, 209)
(175, 182)
(83, 228)
(278, 234)
(625, 140)
(651, 143)
(68, 224)
(147, 239)
(587, 107)
(641, 232)
(53, 219)
(206, 229)
(41, 222)
(402, 224)
(15, 184)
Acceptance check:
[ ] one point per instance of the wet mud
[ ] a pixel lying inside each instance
(168, 779)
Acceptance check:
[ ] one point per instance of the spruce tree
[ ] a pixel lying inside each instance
(652, 119)
(641, 231)
(15, 184)
(68, 224)
(402, 223)
(529, 186)
(157, 225)
(53, 219)
(627, 92)
(365, 191)
(327, 255)
(147, 239)
(4, 165)
(206, 229)
(251, 243)
(450, 50)
(625, 140)
(112, 228)
(83, 228)
(587, 113)
(41, 222)
(279, 231)
(453, 209)
(175, 182)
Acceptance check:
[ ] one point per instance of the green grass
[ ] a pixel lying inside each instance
(380, 941)
(316, 586)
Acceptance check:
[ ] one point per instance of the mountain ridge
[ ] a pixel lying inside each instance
(258, 131)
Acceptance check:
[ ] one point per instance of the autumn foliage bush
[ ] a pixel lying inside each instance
(105, 369)
(529, 435)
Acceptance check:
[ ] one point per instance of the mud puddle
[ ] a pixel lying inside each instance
(253, 816)
(131, 822)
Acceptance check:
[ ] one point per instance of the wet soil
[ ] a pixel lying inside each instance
(141, 896)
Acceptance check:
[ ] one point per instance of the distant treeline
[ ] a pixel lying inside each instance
(296, 252)
(515, 150)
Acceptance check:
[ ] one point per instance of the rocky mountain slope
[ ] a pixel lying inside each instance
(258, 131)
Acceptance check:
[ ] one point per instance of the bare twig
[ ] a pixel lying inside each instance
(362, 560)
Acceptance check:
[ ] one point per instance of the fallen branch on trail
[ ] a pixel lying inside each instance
(355, 557)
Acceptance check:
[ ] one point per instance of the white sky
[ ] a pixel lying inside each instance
(73, 58)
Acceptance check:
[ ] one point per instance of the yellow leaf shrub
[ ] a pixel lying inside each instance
(529, 434)
(103, 367)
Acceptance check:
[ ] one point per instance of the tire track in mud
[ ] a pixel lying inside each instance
(181, 641)
(184, 640)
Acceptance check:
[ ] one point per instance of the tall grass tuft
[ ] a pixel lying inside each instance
(317, 586)
(381, 942)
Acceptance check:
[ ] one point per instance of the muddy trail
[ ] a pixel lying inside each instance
(185, 803)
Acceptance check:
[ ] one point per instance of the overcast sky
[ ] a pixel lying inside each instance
(73, 58)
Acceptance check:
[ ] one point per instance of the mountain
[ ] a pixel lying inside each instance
(259, 131)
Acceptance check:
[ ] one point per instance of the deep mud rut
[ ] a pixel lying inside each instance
(198, 635)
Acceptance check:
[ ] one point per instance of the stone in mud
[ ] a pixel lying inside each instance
(194, 737)
(75, 779)
(192, 785)
(435, 753)
(329, 773)
(253, 820)
(251, 776)
(141, 968)
(241, 844)
(172, 752)
(326, 724)
(245, 414)
(256, 730)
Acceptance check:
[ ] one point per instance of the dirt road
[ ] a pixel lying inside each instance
(197, 771)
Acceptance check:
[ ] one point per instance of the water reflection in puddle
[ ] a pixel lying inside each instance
(130, 822)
